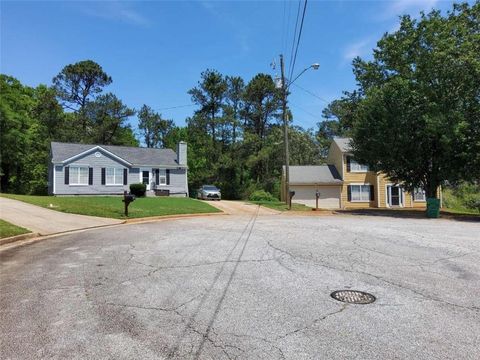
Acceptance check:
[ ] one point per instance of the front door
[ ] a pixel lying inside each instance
(146, 178)
(394, 195)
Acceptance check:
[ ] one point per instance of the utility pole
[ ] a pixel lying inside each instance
(285, 130)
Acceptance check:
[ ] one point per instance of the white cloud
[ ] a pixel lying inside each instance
(115, 11)
(359, 48)
(397, 8)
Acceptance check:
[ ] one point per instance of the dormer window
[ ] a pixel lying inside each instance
(353, 166)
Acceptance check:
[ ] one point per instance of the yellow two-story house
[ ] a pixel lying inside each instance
(346, 184)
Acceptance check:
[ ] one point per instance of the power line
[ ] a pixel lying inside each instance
(311, 93)
(283, 26)
(287, 32)
(175, 107)
(294, 38)
(298, 39)
(307, 112)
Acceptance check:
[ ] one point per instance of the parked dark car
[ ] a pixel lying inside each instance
(209, 192)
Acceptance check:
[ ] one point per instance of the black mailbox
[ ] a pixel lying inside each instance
(291, 195)
(127, 199)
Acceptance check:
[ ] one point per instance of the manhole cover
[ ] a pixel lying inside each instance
(353, 296)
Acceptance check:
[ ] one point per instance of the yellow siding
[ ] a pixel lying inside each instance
(380, 182)
(357, 178)
(335, 157)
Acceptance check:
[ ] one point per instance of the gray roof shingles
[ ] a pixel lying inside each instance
(343, 144)
(133, 155)
(318, 174)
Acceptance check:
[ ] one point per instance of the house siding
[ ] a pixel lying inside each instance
(349, 178)
(335, 158)
(97, 163)
(379, 182)
(177, 186)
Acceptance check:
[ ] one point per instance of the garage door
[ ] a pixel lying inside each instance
(329, 196)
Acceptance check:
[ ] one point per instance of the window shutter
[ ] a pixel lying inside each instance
(157, 176)
(349, 193)
(348, 163)
(168, 176)
(372, 193)
(103, 176)
(125, 176)
(90, 176)
(67, 175)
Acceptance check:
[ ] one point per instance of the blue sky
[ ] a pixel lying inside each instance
(155, 51)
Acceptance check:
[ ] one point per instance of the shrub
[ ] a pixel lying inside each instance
(262, 195)
(138, 189)
(464, 196)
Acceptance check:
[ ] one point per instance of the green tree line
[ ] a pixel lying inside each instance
(234, 135)
(415, 116)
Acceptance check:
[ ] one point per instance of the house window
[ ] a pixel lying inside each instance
(114, 176)
(162, 177)
(78, 175)
(418, 194)
(360, 192)
(356, 167)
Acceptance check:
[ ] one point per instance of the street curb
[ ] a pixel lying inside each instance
(26, 239)
(11, 239)
(171, 217)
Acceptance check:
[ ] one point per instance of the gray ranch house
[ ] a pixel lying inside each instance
(81, 169)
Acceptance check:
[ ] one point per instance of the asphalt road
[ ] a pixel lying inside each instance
(246, 287)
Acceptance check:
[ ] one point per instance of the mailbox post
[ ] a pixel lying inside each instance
(317, 196)
(291, 194)
(127, 199)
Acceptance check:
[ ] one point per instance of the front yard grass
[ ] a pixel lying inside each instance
(112, 206)
(281, 206)
(7, 229)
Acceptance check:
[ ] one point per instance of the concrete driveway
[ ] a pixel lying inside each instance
(44, 221)
(240, 208)
(246, 287)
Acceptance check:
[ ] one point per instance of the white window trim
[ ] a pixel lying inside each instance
(114, 176)
(361, 184)
(424, 196)
(150, 176)
(357, 171)
(389, 196)
(78, 175)
(164, 178)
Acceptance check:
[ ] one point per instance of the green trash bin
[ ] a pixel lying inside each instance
(433, 208)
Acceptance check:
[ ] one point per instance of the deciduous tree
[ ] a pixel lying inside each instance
(420, 119)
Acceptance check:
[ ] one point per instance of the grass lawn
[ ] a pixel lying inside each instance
(460, 211)
(112, 206)
(281, 206)
(7, 229)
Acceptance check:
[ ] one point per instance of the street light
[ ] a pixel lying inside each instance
(314, 66)
(285, 87)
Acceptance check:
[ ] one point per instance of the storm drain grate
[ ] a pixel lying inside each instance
(353, 296)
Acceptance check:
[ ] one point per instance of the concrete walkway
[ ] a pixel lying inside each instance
(45, 221)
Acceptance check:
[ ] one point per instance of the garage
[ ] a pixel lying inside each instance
(306, 180)
(329, 196)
